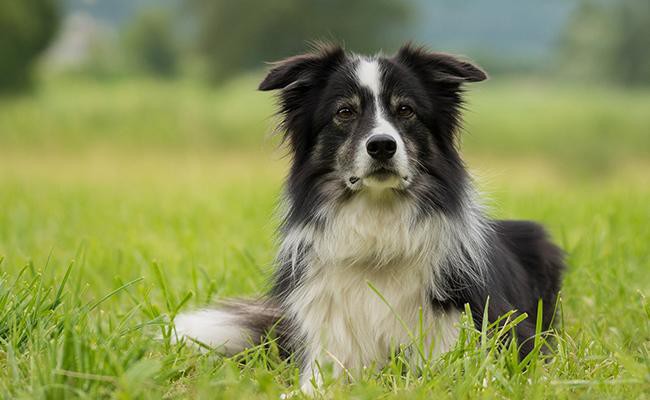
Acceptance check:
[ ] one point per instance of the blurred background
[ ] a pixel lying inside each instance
(133, 143)
(569, 78)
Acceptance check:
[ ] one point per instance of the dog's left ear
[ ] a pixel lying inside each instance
(440, 67)
(304, 69)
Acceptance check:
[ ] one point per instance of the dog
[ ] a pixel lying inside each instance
(382, 232)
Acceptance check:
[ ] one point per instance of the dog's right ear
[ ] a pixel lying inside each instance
(304, 69)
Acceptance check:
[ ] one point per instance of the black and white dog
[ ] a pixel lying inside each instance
(383, 234)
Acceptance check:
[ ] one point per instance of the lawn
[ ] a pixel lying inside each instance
(122, 204)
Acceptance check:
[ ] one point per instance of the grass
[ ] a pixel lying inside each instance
(587, 127)
(121, 205)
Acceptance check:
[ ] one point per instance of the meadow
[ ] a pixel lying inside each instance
(123, 203)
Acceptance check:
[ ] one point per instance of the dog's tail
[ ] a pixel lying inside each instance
(230, 327)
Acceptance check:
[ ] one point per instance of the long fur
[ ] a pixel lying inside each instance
(378, 254)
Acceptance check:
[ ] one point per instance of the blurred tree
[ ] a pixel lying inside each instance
(151, 43)
(26, 29)
(234, 35)
(608, 40)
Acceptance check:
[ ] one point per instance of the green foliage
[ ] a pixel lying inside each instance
(236, 35)
(26, 28)
(152, 44)
(608, 40)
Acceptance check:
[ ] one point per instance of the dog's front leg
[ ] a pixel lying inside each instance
(311, 379)
(316, 361)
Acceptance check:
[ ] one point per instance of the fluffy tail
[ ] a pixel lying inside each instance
(230, 327)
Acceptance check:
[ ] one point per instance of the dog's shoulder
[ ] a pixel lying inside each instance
(531, 244)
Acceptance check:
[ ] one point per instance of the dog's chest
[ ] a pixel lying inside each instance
(364, 231)
(354, 319)
(365, 290)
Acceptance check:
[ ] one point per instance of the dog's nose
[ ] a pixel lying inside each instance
(381, 147)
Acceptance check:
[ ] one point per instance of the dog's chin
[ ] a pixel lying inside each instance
(380, 179)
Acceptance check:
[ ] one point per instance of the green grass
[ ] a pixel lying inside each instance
(587, 127)
(121, 205)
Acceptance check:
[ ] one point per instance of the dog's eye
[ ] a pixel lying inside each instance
(404, 111)
(345, 113)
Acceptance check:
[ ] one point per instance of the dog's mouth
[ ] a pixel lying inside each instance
(379, 177)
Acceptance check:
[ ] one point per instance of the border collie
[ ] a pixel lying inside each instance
(382, 232)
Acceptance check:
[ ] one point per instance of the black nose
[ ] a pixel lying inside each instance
(381, 147)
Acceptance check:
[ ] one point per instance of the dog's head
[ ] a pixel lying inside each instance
(360, 124)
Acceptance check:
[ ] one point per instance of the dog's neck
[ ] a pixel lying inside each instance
(372, 232)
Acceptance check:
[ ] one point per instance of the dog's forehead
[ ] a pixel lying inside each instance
(368, 73)
(371, 77)
(381, 76)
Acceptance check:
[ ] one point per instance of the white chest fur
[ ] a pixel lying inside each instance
(353, 320)
(365, 289)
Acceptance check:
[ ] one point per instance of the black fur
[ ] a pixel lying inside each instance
(523, 266)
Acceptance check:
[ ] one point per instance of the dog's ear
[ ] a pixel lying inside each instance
(440, 67)
(303, 69)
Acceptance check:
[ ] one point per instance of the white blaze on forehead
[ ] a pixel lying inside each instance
(369, 75)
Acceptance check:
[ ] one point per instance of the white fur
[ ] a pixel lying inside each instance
(216, 328)
(369, 75)
(374, 239)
